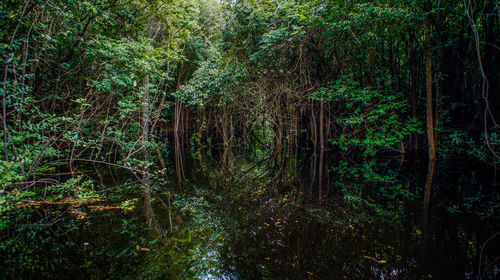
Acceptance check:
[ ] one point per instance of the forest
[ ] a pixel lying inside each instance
(249, 139)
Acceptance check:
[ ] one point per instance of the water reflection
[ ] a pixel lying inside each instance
(275, 227)
(294, 215)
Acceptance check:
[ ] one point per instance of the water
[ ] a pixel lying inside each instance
(266, 216)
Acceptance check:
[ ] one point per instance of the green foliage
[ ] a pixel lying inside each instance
(372, 120)
(211, 84)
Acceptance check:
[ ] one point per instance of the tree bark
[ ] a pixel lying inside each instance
(431, 145)
(145, 118)
(148, 209)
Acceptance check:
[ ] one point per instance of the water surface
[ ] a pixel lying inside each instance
(294, 216)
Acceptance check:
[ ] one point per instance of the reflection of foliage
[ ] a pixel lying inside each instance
(107, 238)
(305, 240)
(478, 203)
(190, 251)
(373, 183)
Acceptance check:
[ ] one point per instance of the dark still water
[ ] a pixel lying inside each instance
(295, 216)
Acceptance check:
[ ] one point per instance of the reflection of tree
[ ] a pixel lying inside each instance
(427, 198)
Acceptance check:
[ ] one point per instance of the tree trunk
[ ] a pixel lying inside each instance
(322, 125)
(431, 145)
(145, 116)
(145, 119)
(437, 102)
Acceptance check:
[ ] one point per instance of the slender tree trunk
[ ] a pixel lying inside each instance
(225, 137)
(152, 130)
(148, 209)
(4, 112)
(322, 146)
(296, 120)
(320, 172)
(177, 141)
(314, 130)
(313, 172)
(431, 145)
(412, 66)
(322, 125)
(178, 129)
(437, 101)
(145, 118)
